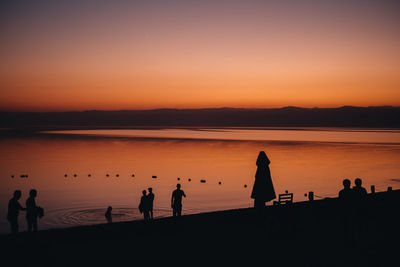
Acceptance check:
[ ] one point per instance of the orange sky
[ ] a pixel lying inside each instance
(58, 55)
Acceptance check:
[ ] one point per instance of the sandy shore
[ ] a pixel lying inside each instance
(301, 234)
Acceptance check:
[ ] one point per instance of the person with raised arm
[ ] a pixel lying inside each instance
(176, 201)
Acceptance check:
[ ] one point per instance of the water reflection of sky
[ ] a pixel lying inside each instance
(295, 166)
(281, 134)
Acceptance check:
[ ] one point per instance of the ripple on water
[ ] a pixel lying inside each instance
(87, 216)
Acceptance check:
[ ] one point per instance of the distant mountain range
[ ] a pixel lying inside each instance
(347, 116)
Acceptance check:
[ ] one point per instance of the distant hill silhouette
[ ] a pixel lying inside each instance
(347, 116)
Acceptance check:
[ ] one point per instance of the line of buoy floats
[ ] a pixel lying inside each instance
(21, 176)
(89, 175)
(117, 175)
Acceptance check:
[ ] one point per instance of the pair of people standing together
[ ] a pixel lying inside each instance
(146, 204)
(32, 211)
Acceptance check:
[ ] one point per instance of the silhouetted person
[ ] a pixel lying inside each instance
(263, 189)
(144, 205)
(360, 206)
(346, 193)
(108, 214)
(13, 211)
(32, 211)
(150, 199)
(176, 201)
(360, 192)
(346, 197)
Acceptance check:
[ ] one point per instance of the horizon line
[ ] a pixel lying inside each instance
(203, 108)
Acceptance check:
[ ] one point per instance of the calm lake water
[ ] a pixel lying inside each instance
(302, 160)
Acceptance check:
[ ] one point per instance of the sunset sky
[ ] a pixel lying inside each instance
(110, 55)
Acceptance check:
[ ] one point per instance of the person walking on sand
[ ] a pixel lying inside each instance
(32, 211)
(144, 205)
(176, 201)
(13, 211)
(263, 189)
(150, 198)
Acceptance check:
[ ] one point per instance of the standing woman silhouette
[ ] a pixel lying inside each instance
(263, 189)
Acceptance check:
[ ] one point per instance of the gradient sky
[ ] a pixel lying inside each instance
(80, 55)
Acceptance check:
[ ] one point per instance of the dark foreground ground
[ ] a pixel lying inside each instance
(300, 234)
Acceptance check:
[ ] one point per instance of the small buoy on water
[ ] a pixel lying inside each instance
(154, 176)
(245, 185)
(202, 181)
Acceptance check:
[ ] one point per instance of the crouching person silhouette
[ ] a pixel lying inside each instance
(108, 214)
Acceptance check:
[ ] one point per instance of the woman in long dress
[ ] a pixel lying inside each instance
(263, 189)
